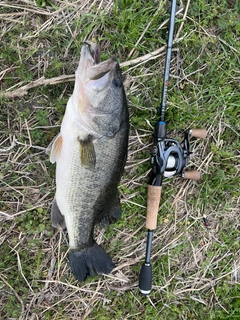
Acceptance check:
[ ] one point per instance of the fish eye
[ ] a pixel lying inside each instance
(117, 83)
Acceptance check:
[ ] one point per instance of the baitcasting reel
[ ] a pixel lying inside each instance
(169, 157)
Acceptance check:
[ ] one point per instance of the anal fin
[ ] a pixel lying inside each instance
(111, 212)
(58, 220)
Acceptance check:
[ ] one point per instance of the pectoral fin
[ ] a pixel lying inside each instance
(87, 152)
(55, 148)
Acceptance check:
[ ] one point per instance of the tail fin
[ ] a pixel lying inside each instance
(89, 262)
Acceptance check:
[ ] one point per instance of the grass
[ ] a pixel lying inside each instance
(196, 270)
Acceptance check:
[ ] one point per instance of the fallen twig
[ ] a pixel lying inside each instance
(39, 82)
(68, 78)
(20, 92)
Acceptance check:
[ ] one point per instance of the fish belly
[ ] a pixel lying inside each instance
(82, 194)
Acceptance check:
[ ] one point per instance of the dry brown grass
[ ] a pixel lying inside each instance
(181, 242)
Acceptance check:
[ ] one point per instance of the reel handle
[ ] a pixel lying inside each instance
(198, 133)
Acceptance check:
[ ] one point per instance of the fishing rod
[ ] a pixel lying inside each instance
(168, 158)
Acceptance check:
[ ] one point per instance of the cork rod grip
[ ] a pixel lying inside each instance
(153, 200)
(199, 133)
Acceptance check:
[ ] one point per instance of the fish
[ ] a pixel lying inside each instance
(90, 153)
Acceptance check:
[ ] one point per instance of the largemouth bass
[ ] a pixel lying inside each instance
(90, 153)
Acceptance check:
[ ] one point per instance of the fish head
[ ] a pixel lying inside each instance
(99, 95)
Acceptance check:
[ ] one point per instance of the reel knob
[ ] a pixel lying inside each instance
(192, 175)
(198, 133)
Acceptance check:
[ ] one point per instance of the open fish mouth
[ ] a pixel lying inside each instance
(90, 56)
(94, 50)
